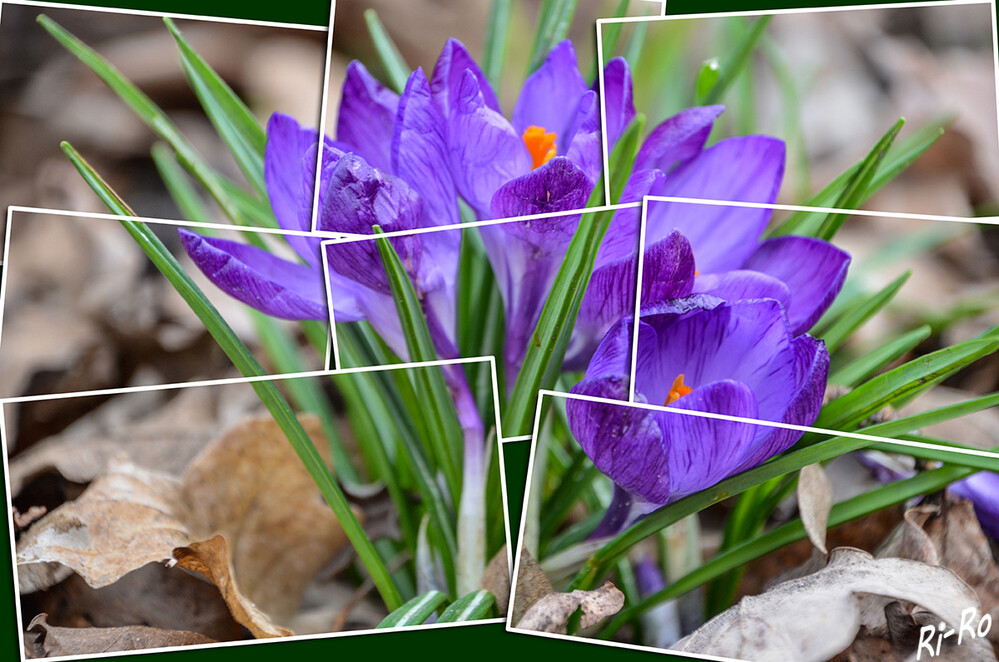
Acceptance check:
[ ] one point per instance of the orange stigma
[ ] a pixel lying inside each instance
(540, 144)
(678, 390)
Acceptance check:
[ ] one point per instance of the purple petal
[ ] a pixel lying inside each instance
(358, 197)
(677, 139)
(485, 150)
(736, 169)
(271, 285)
(550, 96)
(708, 341)
(811, 368)
(556, 186)
(612, 359)
(621, 239)
(814, 271)
(420, 154)
(703, 451)
(982, 489)
(367, 117)
(585, 149)
(620, 109)
(451, 67)
(526, 256)
(289, 173)
(740, 284)
(624, 442)
(667, 273)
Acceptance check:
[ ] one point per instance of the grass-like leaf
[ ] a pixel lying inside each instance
(856, 190)
(395, 66)
(445, 433)
(546, 350)
(711, 90)
(904, 382)
(415, 611)
(866, 366)
(390, 412)
(471, 607)
(233, 121)
(852, 319)
(497, 31)
(149, 113)
(611, 33)
(740, 555)
(248, 367)
(898, 159)
(553, 26)
(177, 184)
(598, 564)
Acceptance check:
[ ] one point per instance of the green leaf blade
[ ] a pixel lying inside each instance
(415, 611)
(472, 607)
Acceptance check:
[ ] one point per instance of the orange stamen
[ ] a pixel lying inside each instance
(540, 145)
(678, 390)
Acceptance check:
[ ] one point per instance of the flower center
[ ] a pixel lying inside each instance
(540, 145)
(677, 391)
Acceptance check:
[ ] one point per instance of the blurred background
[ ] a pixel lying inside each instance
(831, 83)
(47, 95)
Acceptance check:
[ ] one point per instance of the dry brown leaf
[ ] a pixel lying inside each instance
(815, 500)
(248, 485)
(951, 537)
(281, 531)
(813, 618)
(552, 612)
(124, 520)
(212, 559)
(52, 641)
(154, 595)
(496, 580)
(532, 585)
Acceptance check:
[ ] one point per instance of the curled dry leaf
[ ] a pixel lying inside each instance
(815, 500)
(552, 612)
(247, 485)
(812, 618)
(950, 536)
(532, 585)
(52, 641)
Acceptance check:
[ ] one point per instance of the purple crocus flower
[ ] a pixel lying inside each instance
(703, 354)
(982, 489)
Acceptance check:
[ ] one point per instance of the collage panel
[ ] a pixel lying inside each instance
(880, 319)
(85, 308)
(644, 528)
(822, 89)
(172, 113)
(462, 101)
(203, 514)
(499, 288)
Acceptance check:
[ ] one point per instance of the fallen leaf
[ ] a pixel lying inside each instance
(532, 585)
(815, 500)
(552, 612)
(950, 536)
(496, 580)
(280, 530)
(211, 558)
(55, 641)
(154, 595)
(812, 618)
(245, 513)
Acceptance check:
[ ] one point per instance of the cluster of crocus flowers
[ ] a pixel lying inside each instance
(723, 317)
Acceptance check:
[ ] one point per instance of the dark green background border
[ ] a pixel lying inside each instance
(484, 642)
